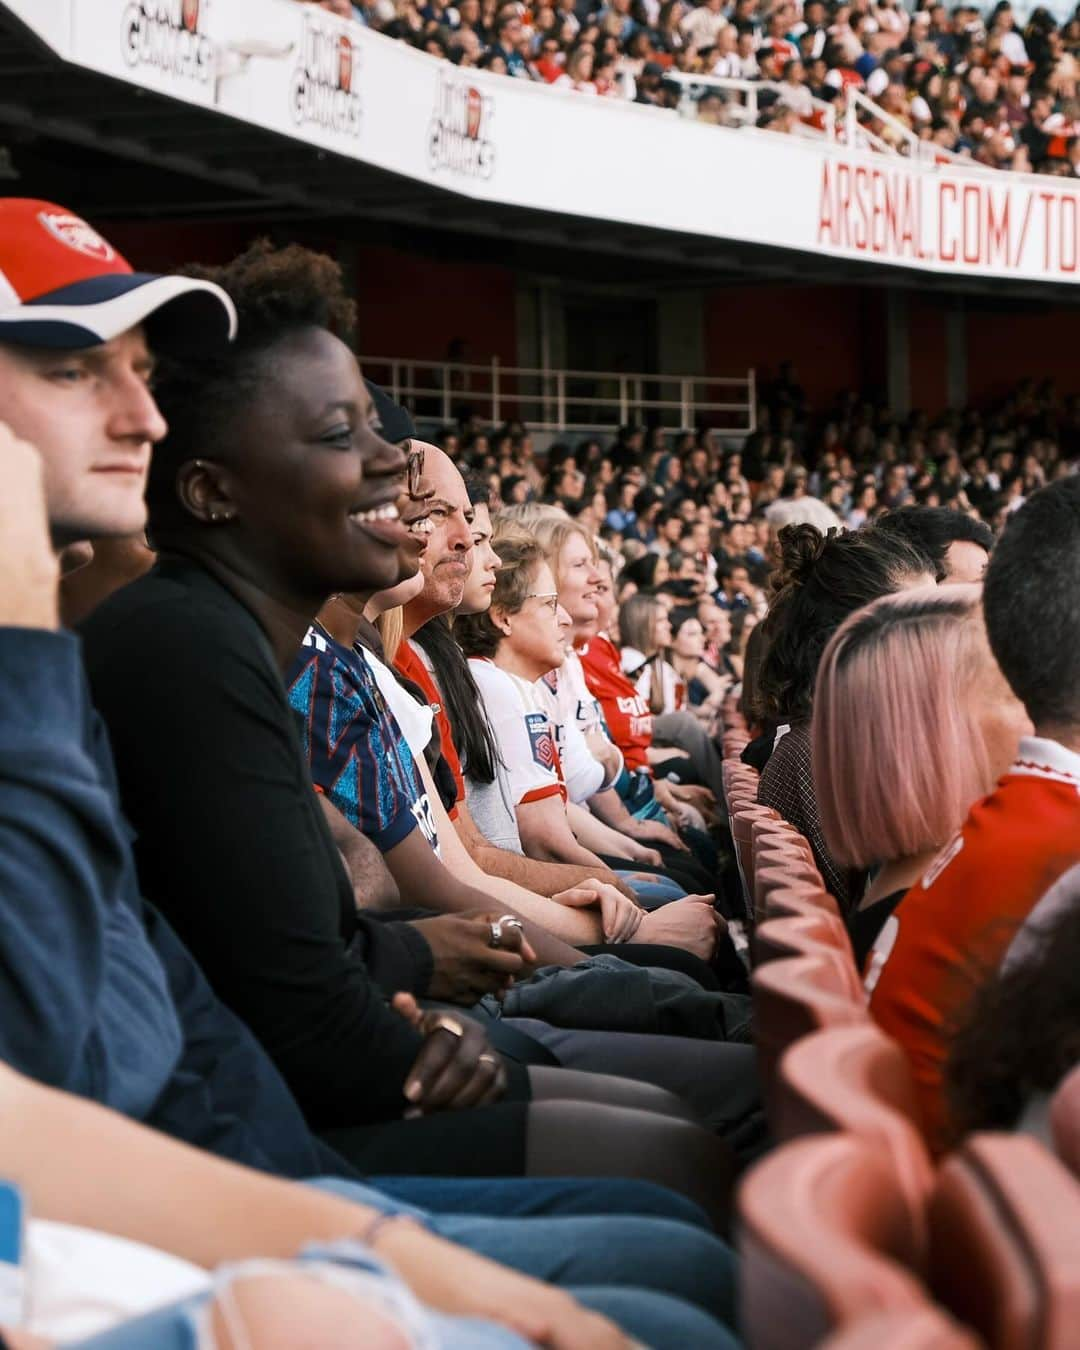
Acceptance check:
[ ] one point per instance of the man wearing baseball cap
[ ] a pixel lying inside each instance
(77, 329)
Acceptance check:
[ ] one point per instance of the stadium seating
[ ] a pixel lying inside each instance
(797, 996)
(827, 1238)
(813, 934)
(1005, 1243)
(783, 901)
(1065, 1121)
(857, 1080)
(742, 820)
(924, 1328)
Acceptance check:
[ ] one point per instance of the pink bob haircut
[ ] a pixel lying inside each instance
(898, 753)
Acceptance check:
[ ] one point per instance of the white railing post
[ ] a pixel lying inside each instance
(751, 384)
(624, 414)
(447, 376)
(395, 382)
(560, 399)
(685, 398)
(495, 407)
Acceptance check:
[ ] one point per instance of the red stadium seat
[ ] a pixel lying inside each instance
(796, 997)
(826, 1239)
(742, 821)
(785, 901)
(926, 1328)
(1065, 1121)
(772, 875)
(855, 1079)
(812, 934)
(778, 838)
(734, 742)
(1005, 1243)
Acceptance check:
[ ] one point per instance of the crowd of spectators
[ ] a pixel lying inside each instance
(974, 83)
(370, 826)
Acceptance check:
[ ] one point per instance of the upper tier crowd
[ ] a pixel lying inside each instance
(368, 908)
(974, 83)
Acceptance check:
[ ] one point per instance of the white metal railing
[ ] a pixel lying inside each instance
(566, 400)
(746, 110)
(846, 129)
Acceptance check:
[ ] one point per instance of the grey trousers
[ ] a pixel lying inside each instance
(718, 1081)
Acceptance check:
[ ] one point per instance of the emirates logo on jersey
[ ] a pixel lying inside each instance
(76, 234)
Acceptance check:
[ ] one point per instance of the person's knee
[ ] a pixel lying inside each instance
(606, 1089)
(658, 1320)
(694, 1265)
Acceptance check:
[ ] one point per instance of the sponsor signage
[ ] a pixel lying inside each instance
(324, 91)
(459, 136)
(301, 72)
(168, 34)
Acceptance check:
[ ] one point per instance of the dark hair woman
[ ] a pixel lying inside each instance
(273, 491)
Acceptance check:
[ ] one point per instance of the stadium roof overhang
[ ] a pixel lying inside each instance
(115, 149)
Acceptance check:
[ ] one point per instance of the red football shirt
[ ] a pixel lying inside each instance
(409, 663)
(1018, 852)
(626, 712)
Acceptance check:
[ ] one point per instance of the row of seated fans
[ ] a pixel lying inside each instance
(849, 1236)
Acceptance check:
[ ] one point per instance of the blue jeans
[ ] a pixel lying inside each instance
(542, 1197)
(654, 1320)
(664, 1281)
(660, 1255)
(657, 890)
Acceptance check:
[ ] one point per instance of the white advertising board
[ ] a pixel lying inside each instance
(299, 71)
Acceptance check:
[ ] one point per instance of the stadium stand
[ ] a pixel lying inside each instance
(958, 83)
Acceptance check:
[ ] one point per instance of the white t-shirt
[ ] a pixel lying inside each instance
(414, 719)
(523, 732)
(80, 1282)
(582, 771)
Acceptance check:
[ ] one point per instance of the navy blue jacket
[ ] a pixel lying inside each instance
(98, 996)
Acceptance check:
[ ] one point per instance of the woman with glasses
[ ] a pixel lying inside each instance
(510, 646)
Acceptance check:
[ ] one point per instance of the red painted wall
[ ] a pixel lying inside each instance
(411, 305)
(927, 353)
(834, 334)
(1004, 346)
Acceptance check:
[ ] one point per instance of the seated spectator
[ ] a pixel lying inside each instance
(913, 722)
(1016, 859)
(822, 579)
(88, 966)
(630, 723)
(706, 687)
(300, 972)
(957, 546)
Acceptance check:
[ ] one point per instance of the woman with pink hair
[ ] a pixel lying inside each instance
(913, 722)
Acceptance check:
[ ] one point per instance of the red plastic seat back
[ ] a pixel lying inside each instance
(927, 1328)
(799, 899)
(1065, 1121)
(775, 874)
(796, 997)
(1005, 1243)
(857, 1080)
(826, 1239)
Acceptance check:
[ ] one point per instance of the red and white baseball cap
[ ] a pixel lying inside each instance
(62, 285)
